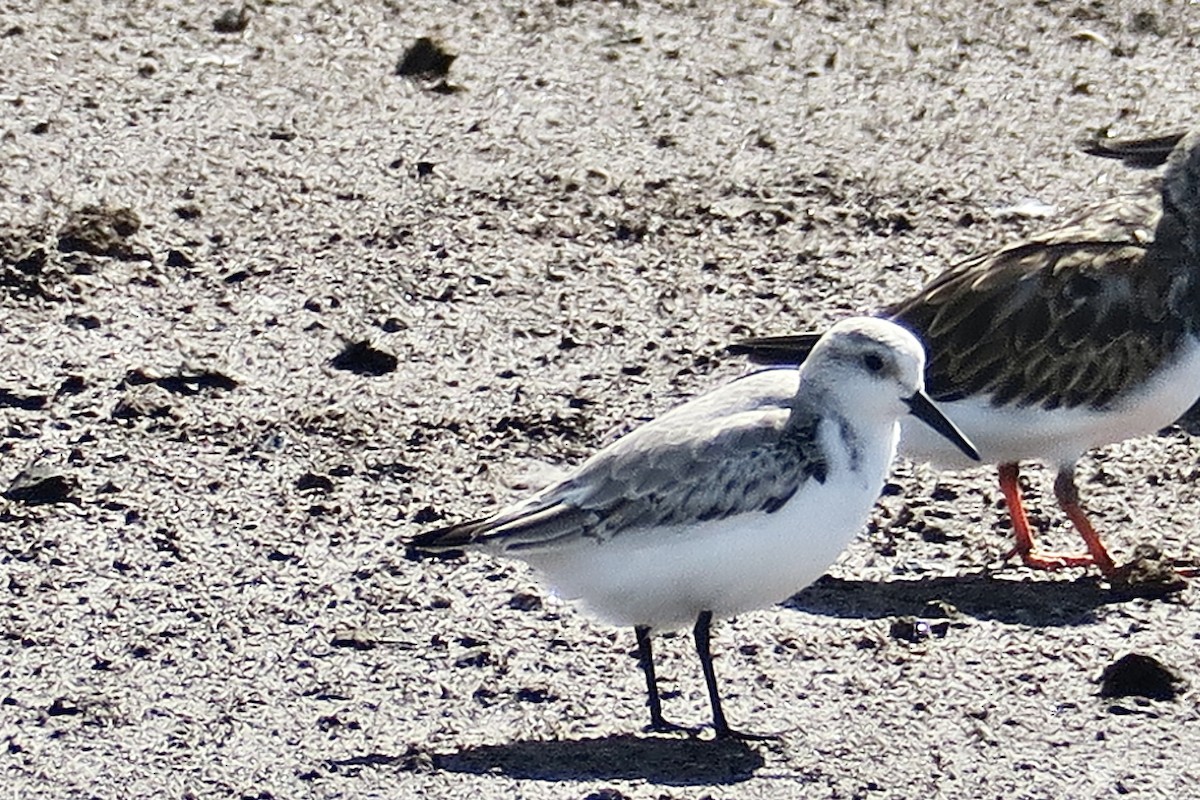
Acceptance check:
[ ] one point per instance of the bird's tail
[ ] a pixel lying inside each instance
(1139, 153)
(791, 349)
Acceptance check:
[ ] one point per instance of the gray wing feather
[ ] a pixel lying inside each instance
(705, 460)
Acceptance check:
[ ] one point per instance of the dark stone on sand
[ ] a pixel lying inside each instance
(310, 481)
(178, 258)
(425, 58)
(352, 641)
(524, 601)
(363, 359)
(232, 20)
(40, 485)
(101, 231)
(28, 402)
(1139, 675)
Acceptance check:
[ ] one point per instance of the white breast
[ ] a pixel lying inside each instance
(1058, 436)
(665, 577)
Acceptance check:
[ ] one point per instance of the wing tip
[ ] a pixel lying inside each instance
(773, 350)
(1139, 153)
(447, 539)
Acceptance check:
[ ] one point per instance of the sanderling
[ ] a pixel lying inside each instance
(733, 501)
(1078, 338)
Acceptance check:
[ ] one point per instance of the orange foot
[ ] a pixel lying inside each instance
(1041, 559)
(1068, 499)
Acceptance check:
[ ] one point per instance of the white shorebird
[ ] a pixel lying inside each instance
(733, 501)
(1075, 339)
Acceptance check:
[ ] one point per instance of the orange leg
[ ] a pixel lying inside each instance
(1068, 499)
(1027, 550)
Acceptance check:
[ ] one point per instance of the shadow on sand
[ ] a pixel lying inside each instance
(983, 595)
(665, 760)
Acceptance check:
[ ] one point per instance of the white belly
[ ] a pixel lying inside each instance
(664, 578)
(1060, 436)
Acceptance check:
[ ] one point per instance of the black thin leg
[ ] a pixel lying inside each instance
(702, 635)
(646, 661)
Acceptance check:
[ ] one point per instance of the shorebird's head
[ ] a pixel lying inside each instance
(870, 359)
(876, 367)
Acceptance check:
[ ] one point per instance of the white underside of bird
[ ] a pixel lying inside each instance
(1057, 436)
(661, 578)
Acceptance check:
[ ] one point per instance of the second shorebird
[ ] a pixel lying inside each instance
(1078, 338)
(731, 502)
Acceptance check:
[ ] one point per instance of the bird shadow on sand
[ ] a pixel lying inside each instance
(657, 759)
(984, 595)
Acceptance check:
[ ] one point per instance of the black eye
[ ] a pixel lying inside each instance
(873, 362)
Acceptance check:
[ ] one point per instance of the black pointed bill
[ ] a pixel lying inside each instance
(923, 409)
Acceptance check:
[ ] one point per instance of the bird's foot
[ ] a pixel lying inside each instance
(1042, 559)
(660, 725)
(724, 732)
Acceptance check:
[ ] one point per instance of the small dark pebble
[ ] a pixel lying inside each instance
(529, 695)
(936, 534)
(40, 486)
(72, 384)
(178, 258)
(524, 601)
(352, 641)
(363, 359)
(1138, 675)
(28, 402)
(310, 481)
(485, 696)
(943, 493)
(425, 58)
(101, 231)
(232, 20)
(63, 707)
